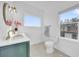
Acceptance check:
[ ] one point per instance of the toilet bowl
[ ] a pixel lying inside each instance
(49, 46)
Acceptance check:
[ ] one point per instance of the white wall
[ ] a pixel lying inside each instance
(69, 47)
(33, 32)
(50, 18)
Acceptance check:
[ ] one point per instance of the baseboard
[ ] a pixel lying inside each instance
(61, 51)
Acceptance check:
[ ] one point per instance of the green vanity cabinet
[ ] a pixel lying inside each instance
(16, 50)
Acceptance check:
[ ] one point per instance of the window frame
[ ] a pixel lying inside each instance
(63, 11)
(34, 16)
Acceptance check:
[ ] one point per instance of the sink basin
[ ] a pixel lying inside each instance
(18, 36)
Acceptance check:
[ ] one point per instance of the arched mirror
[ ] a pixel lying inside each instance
(4, 12)
(7, 11)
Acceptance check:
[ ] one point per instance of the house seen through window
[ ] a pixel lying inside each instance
(69, 24)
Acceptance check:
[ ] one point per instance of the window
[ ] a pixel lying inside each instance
(69, 23)
(33, 21)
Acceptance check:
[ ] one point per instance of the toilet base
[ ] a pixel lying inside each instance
(49, 51)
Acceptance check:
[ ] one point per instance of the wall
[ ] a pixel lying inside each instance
(50, 19)
(33, 32)
(68, 46)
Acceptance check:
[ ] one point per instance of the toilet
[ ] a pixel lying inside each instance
(49, 46)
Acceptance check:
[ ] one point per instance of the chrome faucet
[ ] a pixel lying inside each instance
(11, 33)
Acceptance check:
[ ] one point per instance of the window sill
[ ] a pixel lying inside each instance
(69, 39)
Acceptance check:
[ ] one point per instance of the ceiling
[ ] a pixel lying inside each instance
(52, 5)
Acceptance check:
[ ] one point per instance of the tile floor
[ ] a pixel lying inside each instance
(38, 50)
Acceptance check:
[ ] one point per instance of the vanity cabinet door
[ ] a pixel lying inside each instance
(16, 50)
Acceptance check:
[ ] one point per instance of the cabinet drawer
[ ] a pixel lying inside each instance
(16, 50)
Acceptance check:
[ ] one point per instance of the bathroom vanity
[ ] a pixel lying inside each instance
(14, 44)
(16, 47)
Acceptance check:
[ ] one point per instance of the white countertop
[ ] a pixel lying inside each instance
(5, 42)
